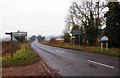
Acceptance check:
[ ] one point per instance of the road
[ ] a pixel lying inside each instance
(75, 63)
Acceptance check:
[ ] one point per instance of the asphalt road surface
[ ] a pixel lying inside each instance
(75, 63)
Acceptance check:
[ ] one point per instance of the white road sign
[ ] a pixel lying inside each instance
(104, 38)
(19, 33)
(76, 32)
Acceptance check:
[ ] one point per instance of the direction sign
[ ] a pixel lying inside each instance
(76, 32)
(19, 33)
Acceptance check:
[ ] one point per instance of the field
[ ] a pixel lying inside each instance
(6, 47)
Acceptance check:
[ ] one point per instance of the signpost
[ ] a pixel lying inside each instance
(13, 34)
(104, 39)
(11, 42)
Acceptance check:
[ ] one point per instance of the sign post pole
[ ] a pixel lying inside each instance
(12, 45)
(106, 45)
(101, 46)
(73, 38)
(25, 44)
(79, 40)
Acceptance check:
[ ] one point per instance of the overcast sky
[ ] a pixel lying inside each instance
(45, 17)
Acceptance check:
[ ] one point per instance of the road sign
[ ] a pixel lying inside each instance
(76, 32)
(73, 36)
(19, 33)
(104, 38)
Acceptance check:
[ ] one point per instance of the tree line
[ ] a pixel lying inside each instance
(94, 20)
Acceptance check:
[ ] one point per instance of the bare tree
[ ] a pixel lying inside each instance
(89, 16)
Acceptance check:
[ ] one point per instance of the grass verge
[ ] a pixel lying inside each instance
(20, 57)
(92, 49)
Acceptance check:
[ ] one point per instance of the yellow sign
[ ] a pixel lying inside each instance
(73, 36)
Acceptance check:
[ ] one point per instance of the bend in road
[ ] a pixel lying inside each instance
(75, 63)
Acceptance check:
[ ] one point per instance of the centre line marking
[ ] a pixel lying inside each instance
(101, 64)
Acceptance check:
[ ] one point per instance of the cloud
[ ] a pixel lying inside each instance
(35, 16)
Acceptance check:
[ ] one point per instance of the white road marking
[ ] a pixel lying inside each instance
(101, 64)
(60, 51)
(49, 49)
(42, 47)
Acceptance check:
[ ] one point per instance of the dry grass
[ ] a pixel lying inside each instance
(110, 51)
(6, 47)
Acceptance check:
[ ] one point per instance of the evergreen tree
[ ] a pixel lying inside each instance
(91, 31)
(66, 37)
(112, 29)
